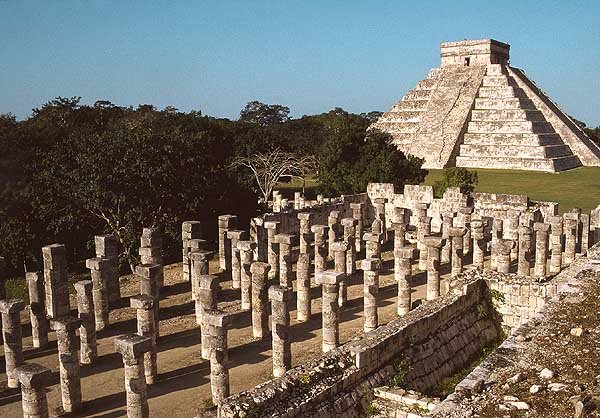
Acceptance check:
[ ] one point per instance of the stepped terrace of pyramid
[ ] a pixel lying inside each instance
(475, 110)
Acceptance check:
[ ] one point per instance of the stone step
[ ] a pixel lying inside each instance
(402, 115)
(507, 115)
(397, 127)
(433, 72)
(510, 127)
(427, 84)
(399, 403)
(500, 92)
(504, 103)
(417, 95)
(514, 151)
(533, 164)
(497, 81)
(495, 69)
(411, 105)
(500, 139)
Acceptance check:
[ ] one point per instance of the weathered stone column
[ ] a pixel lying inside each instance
(399, 234)
(357, 214)
(34, 379)
(556, 225)
(107, 247)
(146, 327)
(334, 230)
(55, 280)
(234, 236)
(149, 275)
(510, 225)
(37, 309)
(280, 298)
(447, 219)
(330, 280)
(379, 209)
(339, 249)
(68, 361)
(246, 255)
(272, 228)
(525, 251)
(464, 220)
(226, 223)
(305, 224)
(2, 278)
(303, 308)
(570, 225)
(372, 245)
(101, 272)
(434, 244)
(12, 337)
(132, 347)
(503, 254)
(87, 330)
(207, 288)
(285, 241)
(298, 201)
(349, 225)
(199, 267)
(585, 232)
(151, 244)
(424, 229)
(377, 226)
(321, 247)
(457, 234)
(479, 242)
(403, 275)
(189, 230)
(260, 315)
(258, 234)
(541, 248)
(217, 323)
(497, 234)
(370, 267)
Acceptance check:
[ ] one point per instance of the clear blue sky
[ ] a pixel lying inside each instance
(215, 56)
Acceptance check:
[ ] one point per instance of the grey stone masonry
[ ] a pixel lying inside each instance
(321, 248)
(370, 267)
(305, 224)
(146, 327)
(349, 236)
(260, 314)
(206, 300)
(379, 209)
(447, 219)
(286, 242)
(479, 242)
(457, 234)
(217, 324)
(497, 234)
(503, 254)
(403, 275)
(151, 244)
(339, 249)
(585, 232)
(234, 236)
(12, 337)
(510, 225)
(87, 331)
(34, 378)
(199, 263)
(55, 280)
(399, 229)
(101, 271)
(525, 250)
(149, 275)
(272, 228)
(107, 247)
(68, 361)
(281, 298)
(434, 244)
(246, 249)
(225, 223)
(357, 213)
(423, 229)
(372, 245)
(570, 225)
(37, 309)
(132, 348)
(464, 220)
(377, 225)
(334, 232)
(541, 248)
(303, 308)
(556, 248)
(190, 230)
(330, 280)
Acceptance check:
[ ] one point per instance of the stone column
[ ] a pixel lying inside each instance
(510, 225)
(525, 253)
(285, 241)
(149, 275)
(189, 230)
(146, 327)
(556, 225)
(234, 236)
(570, 225)
(280, 298)
(68, 361)
(497, 234)
(226, 223)
(303, 308)
(321, 248)
(379, 209)
(132, 347)
(34, 379)
(357, 214)
(541, 248)
(423, 230)
(372, 245)
(87, 330)
(330, 280)
(377, 226)
(399, 234)
(199, 267)
(207, 288)
(503, 254)
(37, 309)
(479, 242)
(107, 247)
(276, 201)
(305, 224)
(403, 275)
(2, 278)
(217, 323)
(260, 315)
(457, 234)
(339, 249)
(101, 270)
(447, 219)
(258, 234)
(55, 280)
(370, 267)
(349, 225)
(464, 220)
(334, 230)
(585, 232)
(12, 337)
(151, 244)
(246, 255)
(434, 244)
(272, 228)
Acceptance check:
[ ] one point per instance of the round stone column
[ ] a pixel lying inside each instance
(423, 230)
(330, 280)
(303, 308)
(280, 298)
(101, 272)
(510, 225)
(339, 249)
(464, 215)
(399, 234)
(479, 243)
(132, 347)
(12, 337)
(150, 278)
(286, 242)
(447, 219)
(87, 331)
(217, 323)
(246, 253)
(497, 233)
(226, 223)
(570, 225)
(357, 214)
(503, 254)
(146, 327)
(272, 228)
(349, 225)
(260, 315)
(304, 230)
(37, 309)
(370, 267)
(321, 247)
(524, 260)
(403, 275)
(541, 248)
(199, 261)
(556, 228)
(234, 236)
(457, 234)
(206, 300)
(68, 361)
(372, 245)
(34, 379)
(433, 245)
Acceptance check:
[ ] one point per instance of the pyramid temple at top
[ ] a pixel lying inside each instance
(478, 111)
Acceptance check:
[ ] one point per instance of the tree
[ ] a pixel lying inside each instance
(264, 114)
(456, 177)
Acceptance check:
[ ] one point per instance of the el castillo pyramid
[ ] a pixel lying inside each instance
(475, 110)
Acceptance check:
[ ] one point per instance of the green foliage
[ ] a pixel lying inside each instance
(264, 114)
(456, 177)
(305, 379)
(402, 368)
(370, 411)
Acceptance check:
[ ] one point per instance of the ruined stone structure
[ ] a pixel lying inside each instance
(475, 110)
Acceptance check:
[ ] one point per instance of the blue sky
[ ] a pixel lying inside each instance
(215, 56)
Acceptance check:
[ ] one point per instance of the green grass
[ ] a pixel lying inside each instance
(579, 187)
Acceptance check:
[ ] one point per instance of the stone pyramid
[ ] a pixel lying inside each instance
(478, 111)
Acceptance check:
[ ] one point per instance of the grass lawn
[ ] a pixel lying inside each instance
(579, 187)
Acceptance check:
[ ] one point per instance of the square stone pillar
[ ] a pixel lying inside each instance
(207, 290)
(464, 220)
(37, 309)
(149, 276)
(447, 220)
(334, 233)
(357, 214)
(585, 232)
(132, 347)
(102, 272)
(370, 267)
(34, 379)
(305, 224)
(12, 337)
(68, 361)
(226, 223)
(189, 230)
(349, 236)
(372, 245)
(330, 280)
(151, 248)
(379, 210)
(497, 233)
(199, 270)
(272, 228)
(246, 249)
(107, 247)
(146, 327)
(281, 298)
(217, 324)
(87, 330)
(55, 280)
(570, 227)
